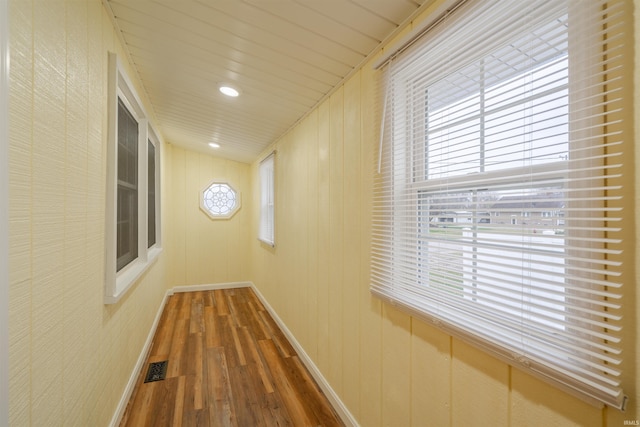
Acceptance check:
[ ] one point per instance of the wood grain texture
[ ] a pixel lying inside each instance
(229, 365)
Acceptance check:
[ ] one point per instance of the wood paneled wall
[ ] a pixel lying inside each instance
(202, 250)
(70, 355)
(388, 367)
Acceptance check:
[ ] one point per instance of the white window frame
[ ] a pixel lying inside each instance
(118, 282)
(266, 227)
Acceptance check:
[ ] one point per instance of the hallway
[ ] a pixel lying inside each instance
(88, 260)
(228, 365)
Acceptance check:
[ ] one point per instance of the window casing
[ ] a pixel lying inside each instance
(132, 231)
(266, 232)
(495, 215)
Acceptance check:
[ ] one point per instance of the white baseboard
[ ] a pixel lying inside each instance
(211, 287)
(333, 397)
(140, 363)
(338, 405)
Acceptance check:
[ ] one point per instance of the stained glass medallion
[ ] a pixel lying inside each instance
(219, 200)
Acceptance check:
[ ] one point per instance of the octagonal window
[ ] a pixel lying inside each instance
(219, 200)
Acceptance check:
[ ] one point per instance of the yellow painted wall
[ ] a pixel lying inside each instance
(70, 355)
(202, 250)
(388, 368)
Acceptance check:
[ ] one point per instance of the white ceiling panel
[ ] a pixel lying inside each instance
(318, 20)
(394, 11)
(354, 16)
(284, 55)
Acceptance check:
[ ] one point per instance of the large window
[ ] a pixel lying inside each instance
(266, 232)
(498, 202)
(132, 215)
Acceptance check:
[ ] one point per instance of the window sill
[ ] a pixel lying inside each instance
(267, 242)
(125, 279)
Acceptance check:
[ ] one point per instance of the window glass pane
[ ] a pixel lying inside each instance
(151, 191)
(219, 199)
(476, 244)
(475, 123)
(526, 118)
(127, 208)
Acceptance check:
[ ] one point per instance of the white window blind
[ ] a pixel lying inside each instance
(267, 200)
(498, 200)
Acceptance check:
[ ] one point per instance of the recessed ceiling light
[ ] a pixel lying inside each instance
(229, 91)
(214, 145)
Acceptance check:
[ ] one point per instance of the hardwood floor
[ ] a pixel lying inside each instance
(228, 365)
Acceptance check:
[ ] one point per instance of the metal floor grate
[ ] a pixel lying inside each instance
(157, 371)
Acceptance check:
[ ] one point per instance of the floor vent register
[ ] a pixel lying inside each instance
(157, 371)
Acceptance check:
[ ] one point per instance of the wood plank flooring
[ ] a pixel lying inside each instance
(229, 365)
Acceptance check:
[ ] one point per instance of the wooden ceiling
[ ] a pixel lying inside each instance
(284, 55)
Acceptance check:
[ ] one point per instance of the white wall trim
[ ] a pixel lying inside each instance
(338, 405)
(140, 363)
(4, 213)
(210, 287)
